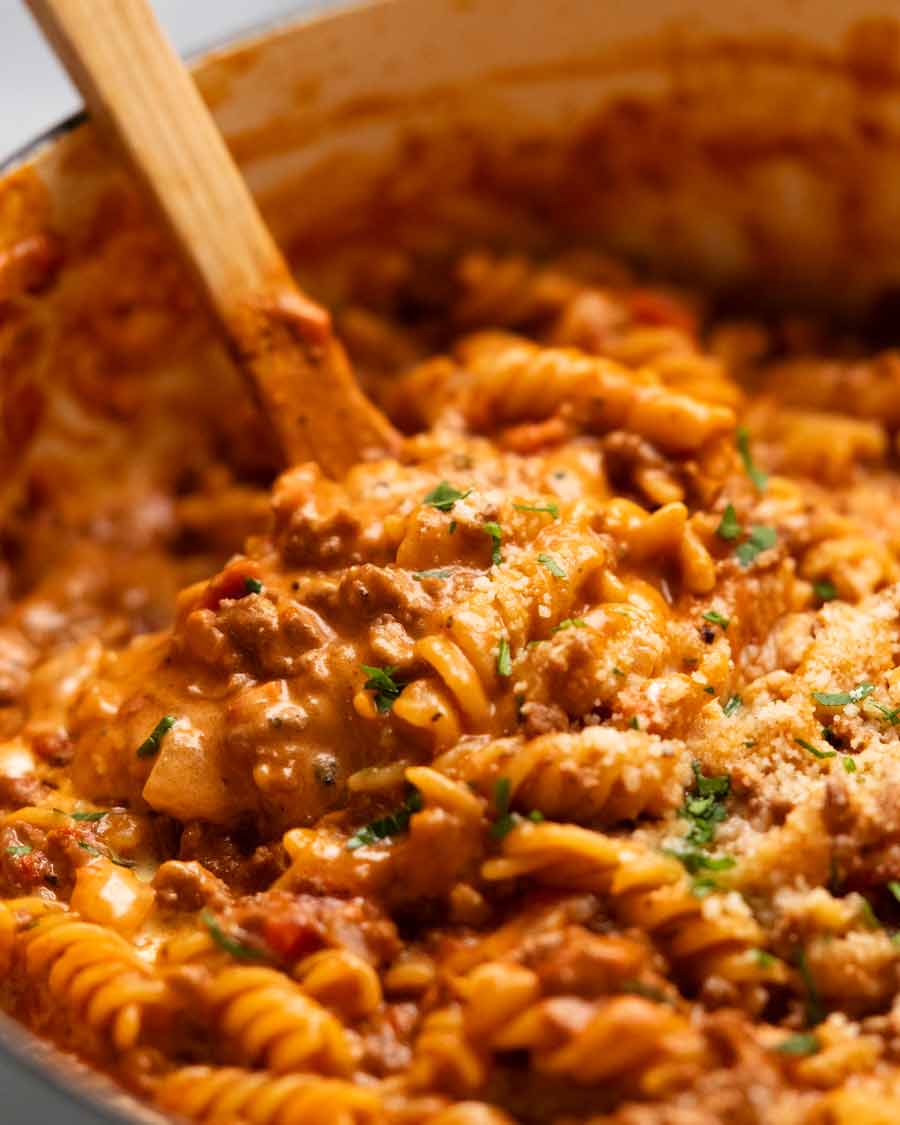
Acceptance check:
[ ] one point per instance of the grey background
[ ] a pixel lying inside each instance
(35, 94)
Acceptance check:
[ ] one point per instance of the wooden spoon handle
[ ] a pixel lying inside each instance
(134, 83)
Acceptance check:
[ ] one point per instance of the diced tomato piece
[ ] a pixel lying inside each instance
(230, 583)
(650, 306)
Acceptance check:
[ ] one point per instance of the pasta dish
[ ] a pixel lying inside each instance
(543, 774)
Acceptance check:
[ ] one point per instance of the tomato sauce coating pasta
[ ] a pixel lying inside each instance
(547, 773)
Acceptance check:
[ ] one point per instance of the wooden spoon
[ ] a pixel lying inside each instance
(135, 84)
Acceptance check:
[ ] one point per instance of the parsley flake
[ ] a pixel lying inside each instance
(815, 1009)
(843, 698)
(571, 623)
(504, 660)
(800, 1045)
(868, 915)
(151, 743)
(729, 526)
(549, 508)
(253, 586)
(420, 575)
(634, 723)
(889, 714)
(505, 820)
(20, 850)
(715, 618)
(814, 750)
(444, 496)
(825, 590)
(552, 565)
(117, 860)
(760, 479)
(849, 765)
(495, 532)
(394, 824)
(704, 806)
(88, 817)
(734, 704)
(237, 949)
(763, 958)
(894, 888)
(695, 861)
(381, 681)
(761, 539)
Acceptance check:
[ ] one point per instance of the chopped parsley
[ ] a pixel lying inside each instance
(804, 1043)
(237, 949)
(843, 698)
(868, 915)
(814, 750)
(117, 860)
(704, 806)
(695, 861)
(849, 764)
(894, 887)
(764, 958)
(381, 681)
(253, 586)
(634, 723)
(504, 660)
(549, 508)
(889, 714)
(441, 574)
(729, 526)
(151, 743)
(825, 590)
(444, 496)
(733, 704)
(761, 539)
(703, 886)
(815, 1009)
(495, 532)
(759, 478)
(88, 817)
(536, 816)
(20, 850)
(709, 689)
(715, 618)
(505, 820)
(394, 824)
(638, 988)
(571, 623)
(552, 565)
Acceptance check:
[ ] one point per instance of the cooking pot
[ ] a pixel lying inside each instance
(751, 146)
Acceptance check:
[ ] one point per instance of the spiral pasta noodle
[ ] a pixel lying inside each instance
(210, 1094)
(596, 775)
(266, 1019)
(514, 380)
(342, 981)
(544, 772)
(94, 975)
(648, 891)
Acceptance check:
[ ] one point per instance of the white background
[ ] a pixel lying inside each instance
(34, 91)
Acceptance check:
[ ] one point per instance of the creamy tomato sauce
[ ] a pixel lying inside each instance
(547, 772)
